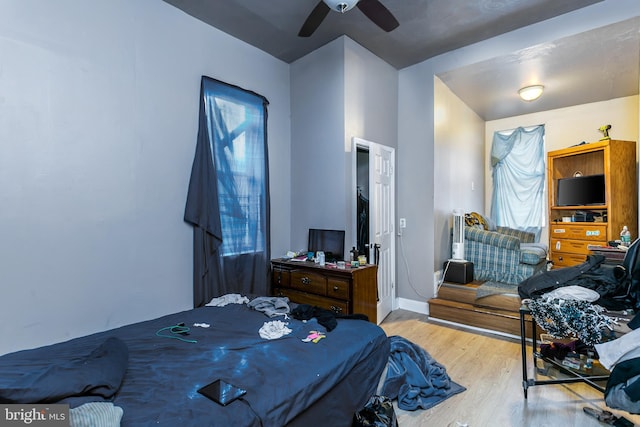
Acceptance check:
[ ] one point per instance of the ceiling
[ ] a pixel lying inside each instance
(594, 66)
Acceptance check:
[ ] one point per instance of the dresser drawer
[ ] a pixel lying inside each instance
(591, 232)
(337, 306)
(574, 246)
(563, 259)
(309, 282)
(280, 277)
(337, 288)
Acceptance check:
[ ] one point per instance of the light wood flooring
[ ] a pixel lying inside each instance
(490, 367)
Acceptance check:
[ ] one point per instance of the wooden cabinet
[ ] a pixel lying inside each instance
(614, 159)
(569, 241)
(344, 291)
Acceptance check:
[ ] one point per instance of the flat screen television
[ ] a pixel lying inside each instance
(581, 191)
(331, 242)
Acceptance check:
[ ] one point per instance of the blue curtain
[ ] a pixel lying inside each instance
(518, 166)
(228, 196)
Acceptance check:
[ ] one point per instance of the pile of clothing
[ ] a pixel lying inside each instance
(574, 302)
(622, 357)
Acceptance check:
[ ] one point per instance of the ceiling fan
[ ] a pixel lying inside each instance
(373, 9)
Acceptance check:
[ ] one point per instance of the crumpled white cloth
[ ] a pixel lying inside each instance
(227, 299)
(274, 330)
(577, 293)
(623, 348)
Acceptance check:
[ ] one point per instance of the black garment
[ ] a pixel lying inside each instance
(610, 282)
(547, 281)
(622, 372)
(635, 322)
(326, 318)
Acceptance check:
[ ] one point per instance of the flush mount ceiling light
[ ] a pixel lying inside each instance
(531, 93)
(341, 5)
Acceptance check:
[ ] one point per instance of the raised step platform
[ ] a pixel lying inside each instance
(458, 303)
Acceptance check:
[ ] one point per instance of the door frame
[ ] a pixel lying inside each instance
(368, 145)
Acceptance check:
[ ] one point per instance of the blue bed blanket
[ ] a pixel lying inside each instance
(98, 374)
(415, 378)
(283, 377)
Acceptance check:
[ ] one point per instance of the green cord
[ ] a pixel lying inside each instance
(176, 330)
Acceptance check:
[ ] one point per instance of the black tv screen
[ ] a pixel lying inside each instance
(331, 242)
(581, 191)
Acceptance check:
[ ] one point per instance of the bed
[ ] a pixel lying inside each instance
(288, 381)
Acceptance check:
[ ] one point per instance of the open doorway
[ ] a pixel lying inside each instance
(374, 219)
(362, 199)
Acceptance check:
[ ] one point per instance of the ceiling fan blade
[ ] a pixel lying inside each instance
(314, 19)
(379, 14)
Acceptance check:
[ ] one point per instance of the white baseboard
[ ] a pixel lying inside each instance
(413, 305)
(473, 328)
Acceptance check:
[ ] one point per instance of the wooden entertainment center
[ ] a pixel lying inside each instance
(573, 228)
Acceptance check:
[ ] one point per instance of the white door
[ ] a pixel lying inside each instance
(381, 220)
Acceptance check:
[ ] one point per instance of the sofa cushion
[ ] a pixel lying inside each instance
(533, 253)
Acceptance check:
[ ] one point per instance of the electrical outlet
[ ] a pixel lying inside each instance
(403, 223)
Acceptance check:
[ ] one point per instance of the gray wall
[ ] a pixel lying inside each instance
(459, 150)
(338, 92)
(98, 120)
(317, 138)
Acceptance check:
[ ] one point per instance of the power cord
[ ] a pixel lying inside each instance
(177, 332)
(444, 274)
(406, 265)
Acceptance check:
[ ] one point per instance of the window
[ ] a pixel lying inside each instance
(236, 123)
(228, 196)
(517, 158)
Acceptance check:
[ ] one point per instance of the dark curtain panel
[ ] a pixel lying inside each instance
(228, 196)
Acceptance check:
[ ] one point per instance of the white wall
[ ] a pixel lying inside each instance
(416, 159)
(98, 120)
(569, 126)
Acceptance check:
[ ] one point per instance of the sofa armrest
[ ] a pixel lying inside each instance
(523, 236)
(492, 238)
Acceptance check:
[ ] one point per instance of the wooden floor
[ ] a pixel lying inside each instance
(489, 367)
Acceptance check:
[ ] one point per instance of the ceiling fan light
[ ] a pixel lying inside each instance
(531, 93)
(341, 5)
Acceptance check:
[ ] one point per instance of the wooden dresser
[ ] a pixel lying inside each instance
(344, 291)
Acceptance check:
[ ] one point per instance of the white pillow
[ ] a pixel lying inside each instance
(96, 414)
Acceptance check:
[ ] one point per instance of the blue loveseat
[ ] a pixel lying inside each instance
(505, 255)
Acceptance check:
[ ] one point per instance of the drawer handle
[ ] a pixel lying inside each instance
(335, 288)
(305, 280)
(560, 258)
(336, 309)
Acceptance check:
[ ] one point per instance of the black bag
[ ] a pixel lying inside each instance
(378, 412)
(631, 264)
